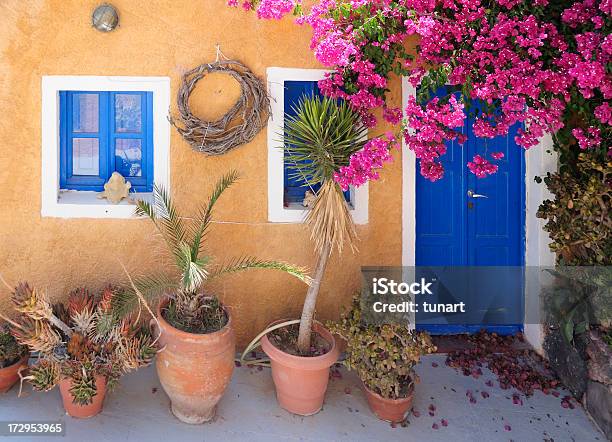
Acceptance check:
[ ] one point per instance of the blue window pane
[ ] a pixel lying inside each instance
(85, 156)
(85, 114)
(128, 157)
(103, 132)
(128, 113)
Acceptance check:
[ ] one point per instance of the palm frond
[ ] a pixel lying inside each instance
(249, 262)
(205, 213)
(166, 219)
(151, 287)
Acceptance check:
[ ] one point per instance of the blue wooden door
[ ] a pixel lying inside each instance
(467, 223)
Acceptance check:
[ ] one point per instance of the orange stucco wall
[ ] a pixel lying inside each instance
(165, 38)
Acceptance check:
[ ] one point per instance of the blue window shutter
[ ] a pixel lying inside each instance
(294, 187)
(106, 136)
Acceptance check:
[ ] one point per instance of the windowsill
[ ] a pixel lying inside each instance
(296, 213)
(300, 206)
(84, 204)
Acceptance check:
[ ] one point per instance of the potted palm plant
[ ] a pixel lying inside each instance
(318, 140)
(13, 357)
(195, 329)
(83, 346)
(384, 357)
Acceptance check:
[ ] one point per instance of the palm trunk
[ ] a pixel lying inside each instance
(310, 302)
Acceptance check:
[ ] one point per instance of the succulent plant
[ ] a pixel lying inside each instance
(384, 356)
(80, 340)
(10, 350)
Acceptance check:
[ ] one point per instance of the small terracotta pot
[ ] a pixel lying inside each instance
(300, 381)
(390, 410)
(195, 369)
(10, 375)
(83, 411)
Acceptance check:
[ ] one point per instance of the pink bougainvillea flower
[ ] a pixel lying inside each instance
(364, 164)
(275, 9)
(335, 50)
(497, 155)
(587, 139)
(522, 69)
(603, 113)
(392, 115)
(481, 167)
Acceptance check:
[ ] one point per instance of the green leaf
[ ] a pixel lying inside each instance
(249, 262)
(568, 330)
(581, 328)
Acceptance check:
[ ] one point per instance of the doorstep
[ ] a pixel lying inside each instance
(138, 411)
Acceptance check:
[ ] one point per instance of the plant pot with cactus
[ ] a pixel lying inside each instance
(82, 346)
(317, 140)
(384, 357)
(194, 328)
(13, 359)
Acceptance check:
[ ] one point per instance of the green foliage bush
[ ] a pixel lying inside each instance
(384, 356)
(578, 218)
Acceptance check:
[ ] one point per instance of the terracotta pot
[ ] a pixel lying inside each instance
(390, 410)
(195, 369)
(300, 381)
(83, 411)
(10, 375)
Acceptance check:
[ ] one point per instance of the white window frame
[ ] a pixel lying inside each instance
(277, 213)
(85, 204)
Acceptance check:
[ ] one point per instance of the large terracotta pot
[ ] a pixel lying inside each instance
(195, 369)
(300, 381)
(83, 411)
(390, 410)
(10, 375)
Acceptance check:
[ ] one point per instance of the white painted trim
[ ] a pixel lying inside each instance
(277, 213)
(539, 160)
(86, 205)
(408, 189)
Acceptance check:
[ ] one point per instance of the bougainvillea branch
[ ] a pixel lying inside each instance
(543, 65)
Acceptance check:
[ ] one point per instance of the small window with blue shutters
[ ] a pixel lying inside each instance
(295, 188)
(106, 132)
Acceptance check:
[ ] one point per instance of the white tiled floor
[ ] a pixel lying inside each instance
(138, 411)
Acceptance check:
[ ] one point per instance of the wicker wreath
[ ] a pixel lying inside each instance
(238, 126)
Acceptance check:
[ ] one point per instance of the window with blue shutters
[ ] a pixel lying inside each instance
(294, 187)
(106, 132)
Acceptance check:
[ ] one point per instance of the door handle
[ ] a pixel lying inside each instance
(471, 194)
